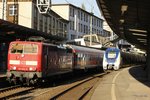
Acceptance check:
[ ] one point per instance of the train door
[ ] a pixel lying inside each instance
(75, 60)
(45, 60)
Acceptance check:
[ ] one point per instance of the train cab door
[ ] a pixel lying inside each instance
(45, 60)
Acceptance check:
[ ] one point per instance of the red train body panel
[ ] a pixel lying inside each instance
(37, 60)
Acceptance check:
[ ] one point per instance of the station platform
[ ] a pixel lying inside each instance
(126, 84)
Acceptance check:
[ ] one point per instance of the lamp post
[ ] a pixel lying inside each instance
(91, 28)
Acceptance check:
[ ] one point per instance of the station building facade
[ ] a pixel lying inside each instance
(79, 20)
(25, 13)
(64, 20)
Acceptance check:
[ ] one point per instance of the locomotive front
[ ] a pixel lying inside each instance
(112, 59)
(24, 61)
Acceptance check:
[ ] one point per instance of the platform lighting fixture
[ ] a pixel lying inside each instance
(11, 32)
(121, 28)
(138, 30)
(138, 34)
(121, 20)
(124, 8)
(121, 32)
(141, 39)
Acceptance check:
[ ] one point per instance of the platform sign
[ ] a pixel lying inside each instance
(43, 6)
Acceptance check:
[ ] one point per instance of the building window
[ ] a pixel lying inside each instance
(72, 12)
(84, 17)
(72, 36)
(41, 23)
(45, 24)
(84, 29)
(53, 26)
(12, 10)
(79, 14)
(35, 21)
(97, 31)
(94, 21)
(70, 25)
(50, 24)
(81, 28)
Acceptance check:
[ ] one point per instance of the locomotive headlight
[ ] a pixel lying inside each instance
(30, 68)
(22, 55)
(14, 68)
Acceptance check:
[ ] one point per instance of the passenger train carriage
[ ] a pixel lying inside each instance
(30, 61)
(86, 57)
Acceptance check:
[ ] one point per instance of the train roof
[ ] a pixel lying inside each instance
(85, 49)
(112, 49)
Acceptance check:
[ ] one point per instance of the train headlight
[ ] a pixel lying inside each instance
(30, 68)
(14, 68)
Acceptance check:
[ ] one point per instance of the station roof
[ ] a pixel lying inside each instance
(129, 19)
(10, 32)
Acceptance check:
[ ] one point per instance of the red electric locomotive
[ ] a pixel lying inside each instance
(30, 61)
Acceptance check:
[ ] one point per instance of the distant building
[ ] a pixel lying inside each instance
(79, 20)
(106, 33)
(112, 36)
(25, 12)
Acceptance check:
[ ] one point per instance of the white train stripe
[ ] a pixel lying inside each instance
(31, 62)
(16, 62)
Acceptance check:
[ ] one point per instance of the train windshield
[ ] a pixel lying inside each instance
(111, 54)
(24, 48)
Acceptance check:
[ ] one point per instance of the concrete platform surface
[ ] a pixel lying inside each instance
(126, 84)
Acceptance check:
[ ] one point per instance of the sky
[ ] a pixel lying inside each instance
(89, 4)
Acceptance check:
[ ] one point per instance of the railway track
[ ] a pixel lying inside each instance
(77, 90)
(7, 93)
(9, 88)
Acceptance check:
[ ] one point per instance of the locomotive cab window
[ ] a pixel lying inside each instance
(23, 48)
(30, 48)
(16, 48)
